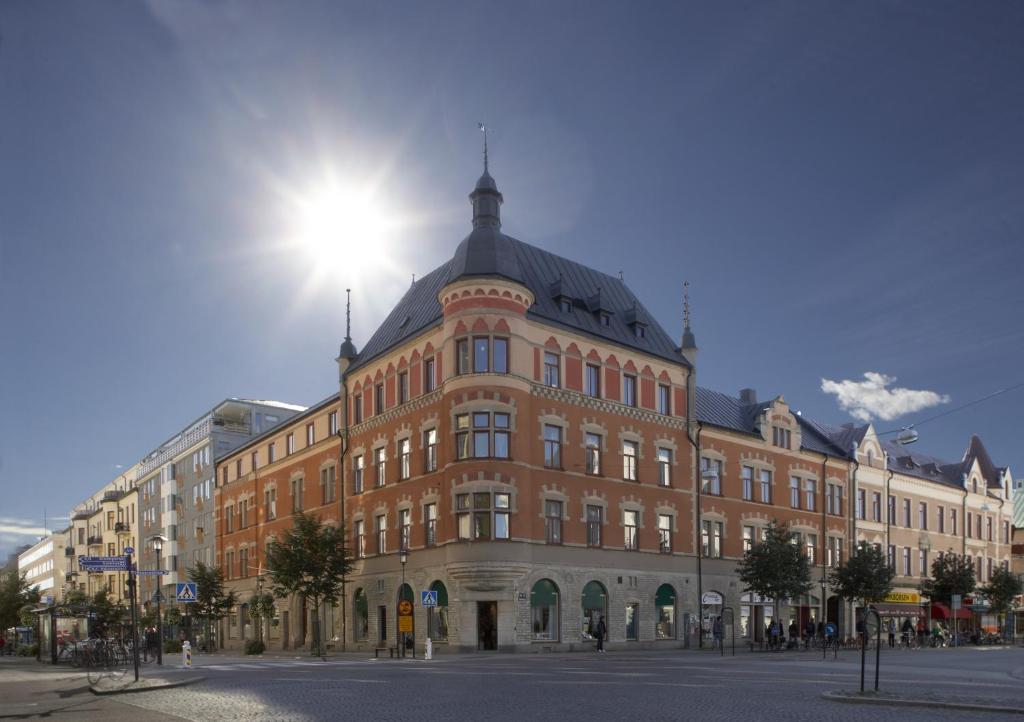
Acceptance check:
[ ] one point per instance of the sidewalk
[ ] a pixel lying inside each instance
(996, 703)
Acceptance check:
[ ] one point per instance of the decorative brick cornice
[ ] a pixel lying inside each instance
(575, 398)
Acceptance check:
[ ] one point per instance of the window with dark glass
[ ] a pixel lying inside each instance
(378, 398)
(428, 375)
(358, 463)
(711, 476)
(592, 382)
(553, 521)
(664, 466)
(711, 538)
(327, 479)
(664, 399)
(664, 533)
(551, 370)
(781, 437)
(630, 518)
(481, 354)
(765, 485)
(794, 492)
(289, 444)
(430, 524)
(630, 451)
(310, 435)
(462, 365)
(565, 304)
(381, 532)
(482, 435)
(430, 450)
(271, 452)
(357, 409)
(404, 528)
(404, 453)
(747, 474)
(403, 387)
(380, 469)
(552, 446)
(595, 516)
(499, 353)
(628, 390)
(482, 515)
(332, 423)
(876, 506)
(593, 451)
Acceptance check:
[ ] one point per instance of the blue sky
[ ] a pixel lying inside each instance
(841, 183)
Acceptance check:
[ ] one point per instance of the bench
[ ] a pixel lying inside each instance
(392, 651)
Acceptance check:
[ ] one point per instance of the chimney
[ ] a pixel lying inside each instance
(748, 396)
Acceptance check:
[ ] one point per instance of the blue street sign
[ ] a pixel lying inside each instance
(129, 550)
(186, 592)
(830, 629)
(428, 598)
(103, 564)
(153, 571)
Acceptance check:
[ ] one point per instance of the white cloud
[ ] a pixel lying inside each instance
(871, 398)
(20, 528)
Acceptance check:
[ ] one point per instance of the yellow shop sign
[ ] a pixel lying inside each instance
(903, 598)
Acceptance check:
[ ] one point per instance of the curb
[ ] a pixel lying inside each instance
(856, 698)
(132, 690)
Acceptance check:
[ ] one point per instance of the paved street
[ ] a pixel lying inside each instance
(647, 686)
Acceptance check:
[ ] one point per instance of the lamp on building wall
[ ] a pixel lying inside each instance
(157, 541)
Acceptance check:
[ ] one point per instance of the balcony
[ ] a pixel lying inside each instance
(122, 527)
(114, 495)
(95, 541)
(80, 515)
(69, 551)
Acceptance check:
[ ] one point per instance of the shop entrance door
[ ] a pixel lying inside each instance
(487, 625)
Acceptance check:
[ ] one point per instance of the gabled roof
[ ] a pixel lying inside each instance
(922, 466)
(540, 271)
(977, 451)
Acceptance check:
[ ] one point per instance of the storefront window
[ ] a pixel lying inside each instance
(437, 617)
(595, 606)
(362, 626)
(544, 610)
(632, 621)
(665, 602)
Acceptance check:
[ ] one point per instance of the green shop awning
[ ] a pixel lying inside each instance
(442, 593)
(666, 596)
(544, 594)
(594, 596)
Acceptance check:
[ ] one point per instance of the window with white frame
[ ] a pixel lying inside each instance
(404, 455)
(664, 399)
(404, 528)
(380, 527)
(480, 516)
(630, 452)
(430, 450)
(665, 533)
(380, 466)
(551, 370)
(664, 466)
(764, 485)
(747, 475)
(358, 466)
(630, 522)
(628, 390)
(711, 538)
(553, 521)
(593, 452)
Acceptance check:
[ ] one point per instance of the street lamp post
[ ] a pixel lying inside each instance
(403, 557)
(157, 541)
(259, 597)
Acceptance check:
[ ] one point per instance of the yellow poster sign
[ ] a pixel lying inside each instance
(903, 598)
(405, 624)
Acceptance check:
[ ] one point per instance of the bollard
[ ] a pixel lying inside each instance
(186, 654)
(428, 650)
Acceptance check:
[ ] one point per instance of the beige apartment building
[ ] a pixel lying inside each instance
(43, 566)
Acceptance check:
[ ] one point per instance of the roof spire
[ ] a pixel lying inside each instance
(348, 349)
(483, 129)
(485, 196)
(689, 342)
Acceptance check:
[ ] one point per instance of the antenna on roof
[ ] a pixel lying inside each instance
(348, 314)
(483, 129)
(620, 276)
(414, 279)
(686, 305)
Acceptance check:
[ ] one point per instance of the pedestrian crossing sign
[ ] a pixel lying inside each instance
(428, 598)
(186, 592)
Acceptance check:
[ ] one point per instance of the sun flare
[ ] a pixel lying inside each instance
(342, 230)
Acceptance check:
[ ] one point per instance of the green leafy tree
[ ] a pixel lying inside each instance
(1002, 589)
(213, 602)
(310, 561)
(106, 614)
(776, 567)
(866, 576)
(951, 574)
(261, 608)
(15, 596)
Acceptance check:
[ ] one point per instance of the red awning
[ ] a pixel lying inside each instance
(941, 611)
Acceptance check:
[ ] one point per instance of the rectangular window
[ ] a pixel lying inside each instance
(481, 354)
(834, 499)
(380, 468)
(403, 387)
(765, 485)
(632, 616)
(810, 548)
(243, 513)
(484, 521)
(332, 423)
(748, 538)
(595, 517)
(378, 399)
(810, 494)
(664, 400)
(357, 409)
(297, 495)
(551, 366)
(360, 532)
(270, 504)
(404, 454)
(229, 519)
(892, 509)
(892, 557)
(358, 464)
(940, 519)
(289, 445)
(462, 365)
(630, 451)
(711, 476)
(499, 359)
(404, 528)
(502, 509)
(952, 521)
(835, 551)
(906, 513)
(861, 503)
(593, 451)
(969, 526)
(664, 533)
(988, 528)
(430, 524)
(310, 435)
(243, 562)
(553, 521)
(664, 466)
(380, 528)
(876, 506)
(592, 382)
(428, 375)
(628, 390)
(552, 446)
(1006, 532)
(430, 450)
(794, 492)
(922, 562)
(271, 452)
(711, 538)
(238, 469)
(747, 474)
(462, 436)
(629, 525)
(501, 436)
(781, 437)
(922, 515)
(906, 562)
(327, 481)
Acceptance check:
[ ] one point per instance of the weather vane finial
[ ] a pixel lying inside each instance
(483, 129)
(686, 304)
(348, 314)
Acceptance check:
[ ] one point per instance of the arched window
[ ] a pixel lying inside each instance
(665, 603)
(437, 617)
(595, 605)
(361, 628)
(544, 610)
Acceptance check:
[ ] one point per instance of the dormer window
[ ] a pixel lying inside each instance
(565, 304)
(605, 318)
(781, 437)
(640, 331)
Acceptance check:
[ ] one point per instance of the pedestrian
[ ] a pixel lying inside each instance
(3, 642)
(794, 636)
(600, 630)
(716, 633)
(808, 633)
(775, 632)
(906, 632)
(891, 629)
(922, 632)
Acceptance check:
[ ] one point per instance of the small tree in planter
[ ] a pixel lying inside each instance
(776, 567)
(1002, 589)
(261, 608)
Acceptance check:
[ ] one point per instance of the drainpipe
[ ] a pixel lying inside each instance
(694, 440)
(888, 517)
(853, 509)
(343, 435)
(824, 539)
(963, 521)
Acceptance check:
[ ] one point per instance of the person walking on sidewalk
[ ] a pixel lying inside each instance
(716, 633)
(600, 631)
(891, 628)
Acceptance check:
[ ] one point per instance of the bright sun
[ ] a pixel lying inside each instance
(341, 229)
